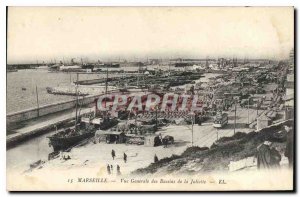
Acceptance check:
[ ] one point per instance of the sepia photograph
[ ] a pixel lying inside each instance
(150, 98)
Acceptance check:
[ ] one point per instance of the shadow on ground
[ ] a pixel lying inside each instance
(237, 126)
(178, 143)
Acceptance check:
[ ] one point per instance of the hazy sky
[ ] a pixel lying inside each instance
(44, 33)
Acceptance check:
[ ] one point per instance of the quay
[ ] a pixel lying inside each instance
(18, 117)
(42, 125)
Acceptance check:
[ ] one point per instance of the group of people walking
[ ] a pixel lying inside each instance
(110, 168)
(113, 154)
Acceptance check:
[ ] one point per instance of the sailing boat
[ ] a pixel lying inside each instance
(67, 138)
(107, 121)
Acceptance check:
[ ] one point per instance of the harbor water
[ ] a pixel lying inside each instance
(21, 87)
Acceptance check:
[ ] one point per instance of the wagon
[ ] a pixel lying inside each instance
(168, 139)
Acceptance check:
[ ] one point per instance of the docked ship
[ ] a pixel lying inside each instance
(83, 129)
(67, 138)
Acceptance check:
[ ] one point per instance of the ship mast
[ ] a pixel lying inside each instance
(106, 81)
(106, 89)
(76, 105)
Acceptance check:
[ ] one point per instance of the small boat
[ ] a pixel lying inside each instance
(11, 70)
(36, 164)
(64, 92)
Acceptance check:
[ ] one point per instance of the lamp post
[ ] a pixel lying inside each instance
(248, 110)
(37, 101)
(193, 120)
(234, 115)
(156, 108)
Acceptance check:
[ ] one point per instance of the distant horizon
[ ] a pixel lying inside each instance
(139, 60)
(136, 59)
(116, 60)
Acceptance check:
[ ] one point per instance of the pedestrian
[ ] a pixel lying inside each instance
(112, 169)
(155, 158)
(165, 142)
(289, 149)
(118, 170)
(264, 155)
(125, 157)
(113, 154)
(199, 121)
(108, 169)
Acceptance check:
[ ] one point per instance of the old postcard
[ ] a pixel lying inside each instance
(150, 99)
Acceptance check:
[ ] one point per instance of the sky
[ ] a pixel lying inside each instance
(48, 33)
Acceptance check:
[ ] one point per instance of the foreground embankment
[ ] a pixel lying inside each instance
(221, 153)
